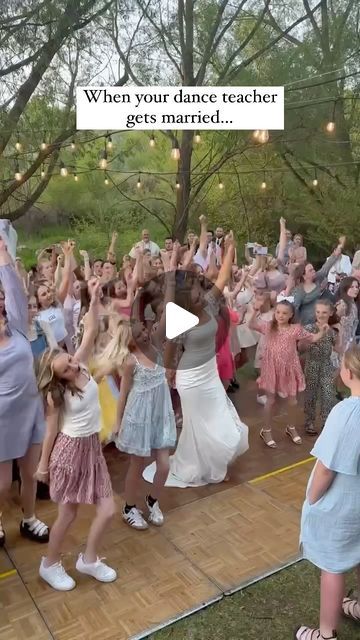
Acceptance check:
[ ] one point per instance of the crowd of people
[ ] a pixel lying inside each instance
(84, 361)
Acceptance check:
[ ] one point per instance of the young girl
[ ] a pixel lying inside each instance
(281, 372)
(319, 371)
(73, 458)
(348, 292)
(146, 421)
(330, 524)
(266, 314)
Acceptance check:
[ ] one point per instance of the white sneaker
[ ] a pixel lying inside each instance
(56, 576)
(134, 519)
(98, 570)
(156, 516)
(261, 400)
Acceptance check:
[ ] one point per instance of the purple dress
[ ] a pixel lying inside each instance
(22, 420)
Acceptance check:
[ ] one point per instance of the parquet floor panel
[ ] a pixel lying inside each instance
(215, 539)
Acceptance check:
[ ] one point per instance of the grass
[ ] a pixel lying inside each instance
(268, 610)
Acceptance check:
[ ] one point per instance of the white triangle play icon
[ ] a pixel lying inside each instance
(178, 320)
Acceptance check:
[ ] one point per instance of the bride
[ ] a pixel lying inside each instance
(212, 435)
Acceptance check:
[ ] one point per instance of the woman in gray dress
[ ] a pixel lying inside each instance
(21, 417)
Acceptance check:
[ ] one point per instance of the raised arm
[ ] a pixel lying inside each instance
(282, 241)
(91, 324)
(323, 272)
(111, 254)
(15, 297)
(203, 236)
(68, 250)
(226, 267)
(87, 268)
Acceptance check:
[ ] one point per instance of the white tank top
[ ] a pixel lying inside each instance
(81, 414)
(54, 316)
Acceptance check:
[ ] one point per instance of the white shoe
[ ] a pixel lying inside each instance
(98, 570)
(134, 519)
(261, 400)
(56, 576)
(282, 395)
(156, 516)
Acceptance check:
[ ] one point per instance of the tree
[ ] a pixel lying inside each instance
(33, 39)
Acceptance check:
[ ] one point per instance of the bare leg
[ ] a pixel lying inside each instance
(104, 513)
(5, 485)
(133, 479)
(162, 472)
(66, 516)
(27, 466)
(331, 597)
(292, 415)
(266, 432)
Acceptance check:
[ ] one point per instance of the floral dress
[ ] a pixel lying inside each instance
(281, 372)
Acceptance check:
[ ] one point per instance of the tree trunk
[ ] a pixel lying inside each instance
(183, 194)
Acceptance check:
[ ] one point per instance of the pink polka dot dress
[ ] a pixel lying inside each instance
(281, 372)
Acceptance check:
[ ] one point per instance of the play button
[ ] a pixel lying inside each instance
(192, 296)
(178, 320)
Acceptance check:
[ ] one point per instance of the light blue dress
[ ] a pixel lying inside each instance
(330, 528)
(149, 421)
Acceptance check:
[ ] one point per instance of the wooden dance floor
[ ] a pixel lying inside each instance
(216, 540)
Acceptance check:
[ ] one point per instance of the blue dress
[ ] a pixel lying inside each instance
(330, 528)
(149, 421)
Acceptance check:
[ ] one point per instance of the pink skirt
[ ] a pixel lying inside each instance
(78, 471)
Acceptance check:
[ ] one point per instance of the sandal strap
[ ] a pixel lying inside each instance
(306, 633)
(348, 606)
(37, 527)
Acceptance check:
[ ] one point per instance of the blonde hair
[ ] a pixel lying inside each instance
(352, 360)
(114, 355)
(48, 383)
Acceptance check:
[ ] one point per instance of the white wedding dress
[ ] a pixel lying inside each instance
(212, 435)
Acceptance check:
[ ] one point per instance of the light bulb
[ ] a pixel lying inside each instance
(109, 143)
(256, 134)
(152, 141)
(263, 136)
(106, 181)
(42, 172)
(330, 127)
(43, 146)
(103, 160)
(18, 174)
(63, 170)
(18, 145)
(139, 183)
(73, 145)
(175, 152)
(197, 137)
(221, 185)
(76, 177)
(315, 182)
(263, 184)
(177, 184)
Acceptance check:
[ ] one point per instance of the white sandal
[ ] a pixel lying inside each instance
(294, 435)
(269, 443)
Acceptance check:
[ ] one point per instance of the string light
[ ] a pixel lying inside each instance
(330, 127)
(256, 134)
(197, 137)
(175, 151)
(177, 184)
(73, 145)
(63, 170)
(18, 174)
(18, 145)
(315, 181)
(221, 184)
(43, 145)
(103, 160)
(152, 140)
(76, 177)
(263, 184)
(43, 171)
(263, 136)
(109, 143)
(139, 182)
(106, 180)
